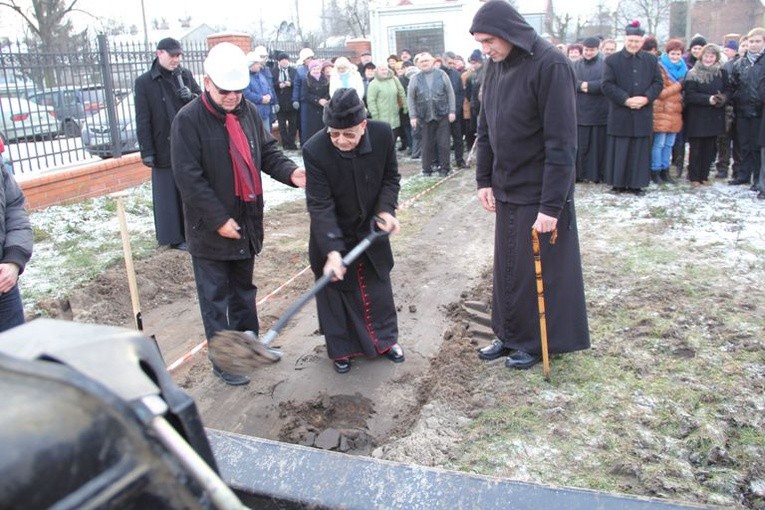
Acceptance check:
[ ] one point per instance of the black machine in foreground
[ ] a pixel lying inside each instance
(90, 419)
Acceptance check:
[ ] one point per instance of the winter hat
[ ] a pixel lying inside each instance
(699, 40)
(732, 45)
(476, 56)
(304, 54)
(170, 45)
(591, 42)
(633, 28)
(344, 110)
(314, 64)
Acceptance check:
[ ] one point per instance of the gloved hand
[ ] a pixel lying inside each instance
(185, 94)
(295, 105)
(148, 160)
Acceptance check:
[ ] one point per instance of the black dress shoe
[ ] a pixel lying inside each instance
(229, 378)
(738, 182)
(754, 187)
(522, 360)
(761, 195)
(180, 246)
(496, 349)
(395, 354)
(342, 366)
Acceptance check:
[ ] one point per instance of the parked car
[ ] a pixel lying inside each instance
(20, 119)
(96, 134)
(5, 155)
(72, 105)
(14, 85)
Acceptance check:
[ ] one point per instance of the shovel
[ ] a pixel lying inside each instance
(240, 352)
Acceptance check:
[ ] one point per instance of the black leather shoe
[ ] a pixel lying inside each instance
(522, 360)
(754, 187)
(761, 195)
(180, 246)
(496, 349)
(342, 366)
(231, 379)
(395, 354)
(738, 182)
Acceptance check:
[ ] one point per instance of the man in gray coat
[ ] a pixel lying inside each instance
(431, 102)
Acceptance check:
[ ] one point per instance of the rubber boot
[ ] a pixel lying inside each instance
(664, 174)
(655, 177)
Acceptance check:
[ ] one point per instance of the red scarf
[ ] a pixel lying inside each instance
(247, 183)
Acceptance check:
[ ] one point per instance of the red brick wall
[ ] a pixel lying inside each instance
(87, 181)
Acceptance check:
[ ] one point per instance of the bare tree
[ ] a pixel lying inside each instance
(47, 21)
(652, 14)
(357, 17)
(560, 26)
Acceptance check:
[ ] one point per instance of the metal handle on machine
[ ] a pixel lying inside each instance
(221, 494)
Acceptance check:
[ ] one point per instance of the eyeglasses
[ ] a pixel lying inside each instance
(224, 92)
(348, 135)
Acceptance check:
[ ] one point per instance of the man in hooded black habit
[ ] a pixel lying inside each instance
(526, 154)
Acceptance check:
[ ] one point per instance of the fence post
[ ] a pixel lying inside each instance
(111, 97)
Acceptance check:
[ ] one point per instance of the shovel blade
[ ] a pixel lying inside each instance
(240, 353)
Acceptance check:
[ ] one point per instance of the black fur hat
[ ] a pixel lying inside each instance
(344, 110)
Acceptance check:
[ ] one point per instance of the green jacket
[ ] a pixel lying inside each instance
(383, 98)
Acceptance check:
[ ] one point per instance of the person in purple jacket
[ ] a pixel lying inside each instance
(525, 172)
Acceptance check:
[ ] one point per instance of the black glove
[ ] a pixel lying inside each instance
(148, 161)
(185, 94)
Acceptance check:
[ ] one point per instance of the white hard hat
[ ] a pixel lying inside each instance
(261, 51)
(252, 58)
(304, 54)
(226, 65)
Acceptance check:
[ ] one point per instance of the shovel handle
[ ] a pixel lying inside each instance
(350, 257)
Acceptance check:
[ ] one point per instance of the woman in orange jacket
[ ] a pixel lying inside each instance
(667, 110)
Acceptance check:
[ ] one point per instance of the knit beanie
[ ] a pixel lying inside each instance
(476, 56)
(698, 41)
(344, 110)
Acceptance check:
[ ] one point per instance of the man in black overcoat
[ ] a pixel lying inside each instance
(159, 94)
(287, 116)
(352, 177)
(591, 113)
(526, 153)
(631, 81)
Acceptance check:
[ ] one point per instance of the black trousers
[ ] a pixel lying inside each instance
(455, 129)
(168, 208)
(435, 144)
(700, 158)
(288, 128)
(226, 294)
(747, 131)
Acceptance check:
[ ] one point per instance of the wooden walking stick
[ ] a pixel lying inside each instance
(541, 298)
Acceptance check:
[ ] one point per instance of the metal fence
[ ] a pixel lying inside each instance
(65, 108)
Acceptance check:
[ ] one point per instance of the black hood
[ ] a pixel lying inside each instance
(500, 19)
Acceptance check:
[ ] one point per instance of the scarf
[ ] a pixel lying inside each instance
(677, 71)
(752, 56)
(247, 183)
(702, 73)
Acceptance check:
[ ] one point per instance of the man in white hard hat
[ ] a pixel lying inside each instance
(219, 148)
(304, 58)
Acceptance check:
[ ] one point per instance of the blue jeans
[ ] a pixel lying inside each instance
(11, 309)
(661, 152)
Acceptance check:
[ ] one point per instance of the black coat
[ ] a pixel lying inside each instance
(344, 190)
(284, 94)
(204, 174)
(156, 104)
(592, 106)
(625, 76)
(745, 83)
(526, 147)
(701, 118)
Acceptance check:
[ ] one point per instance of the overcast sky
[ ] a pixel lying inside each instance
(250, 16)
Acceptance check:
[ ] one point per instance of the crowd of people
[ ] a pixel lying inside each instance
(639, 108)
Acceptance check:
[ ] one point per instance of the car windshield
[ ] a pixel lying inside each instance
(93, 100)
